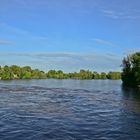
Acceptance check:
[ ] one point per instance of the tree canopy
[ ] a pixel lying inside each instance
(131, 70)
(16, 72)
(26, 72)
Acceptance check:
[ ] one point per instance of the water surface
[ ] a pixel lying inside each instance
(68, 110)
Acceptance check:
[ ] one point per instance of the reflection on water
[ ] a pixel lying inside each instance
(131, 99)
(69, 110)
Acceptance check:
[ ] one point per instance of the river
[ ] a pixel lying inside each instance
(68, 110)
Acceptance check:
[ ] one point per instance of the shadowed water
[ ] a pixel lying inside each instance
(68, 110)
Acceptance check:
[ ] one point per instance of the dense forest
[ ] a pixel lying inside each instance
(131, 70)
(26, 72)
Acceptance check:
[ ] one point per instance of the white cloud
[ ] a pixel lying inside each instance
(104, 42)
(65, 61)
(121, 13)
(21, 33)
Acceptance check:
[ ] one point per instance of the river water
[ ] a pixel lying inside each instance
(68, 110)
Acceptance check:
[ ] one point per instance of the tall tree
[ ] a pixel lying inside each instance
(131, 70)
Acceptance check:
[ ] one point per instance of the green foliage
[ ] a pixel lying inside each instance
(131, 70)
(6, 73)
(103, 76)
(36, 74)
(96, 75)
(114, 75)
(16, 72)
(83, 75)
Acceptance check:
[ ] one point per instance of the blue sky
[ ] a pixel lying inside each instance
(68, 34)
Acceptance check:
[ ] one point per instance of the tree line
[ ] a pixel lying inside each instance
(131, 70)
(26, 72)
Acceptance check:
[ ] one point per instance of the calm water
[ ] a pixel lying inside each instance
(68, 110)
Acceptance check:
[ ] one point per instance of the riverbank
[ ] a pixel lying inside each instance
(26, 72)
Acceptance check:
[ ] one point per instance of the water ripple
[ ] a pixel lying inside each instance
(90, 110)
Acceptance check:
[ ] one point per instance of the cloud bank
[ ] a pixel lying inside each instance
(64, 61)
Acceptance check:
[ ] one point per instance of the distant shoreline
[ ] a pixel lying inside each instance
(59, 79)
(15, 72)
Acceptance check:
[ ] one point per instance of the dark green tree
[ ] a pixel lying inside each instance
(131, 70)
(114, 75)
(6, 73)
(103, 76)
(96, 75)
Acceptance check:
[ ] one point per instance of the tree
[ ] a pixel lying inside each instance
(85, 74)
(6, 73)
(96, 75)
(131, 70)
(26, 72)
(103, 75)
(16, 71)
(114, 75)
(59, 74)
(51, 74)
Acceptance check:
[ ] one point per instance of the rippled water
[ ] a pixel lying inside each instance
(68, 110)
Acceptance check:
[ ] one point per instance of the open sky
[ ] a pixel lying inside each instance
(69, 34)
